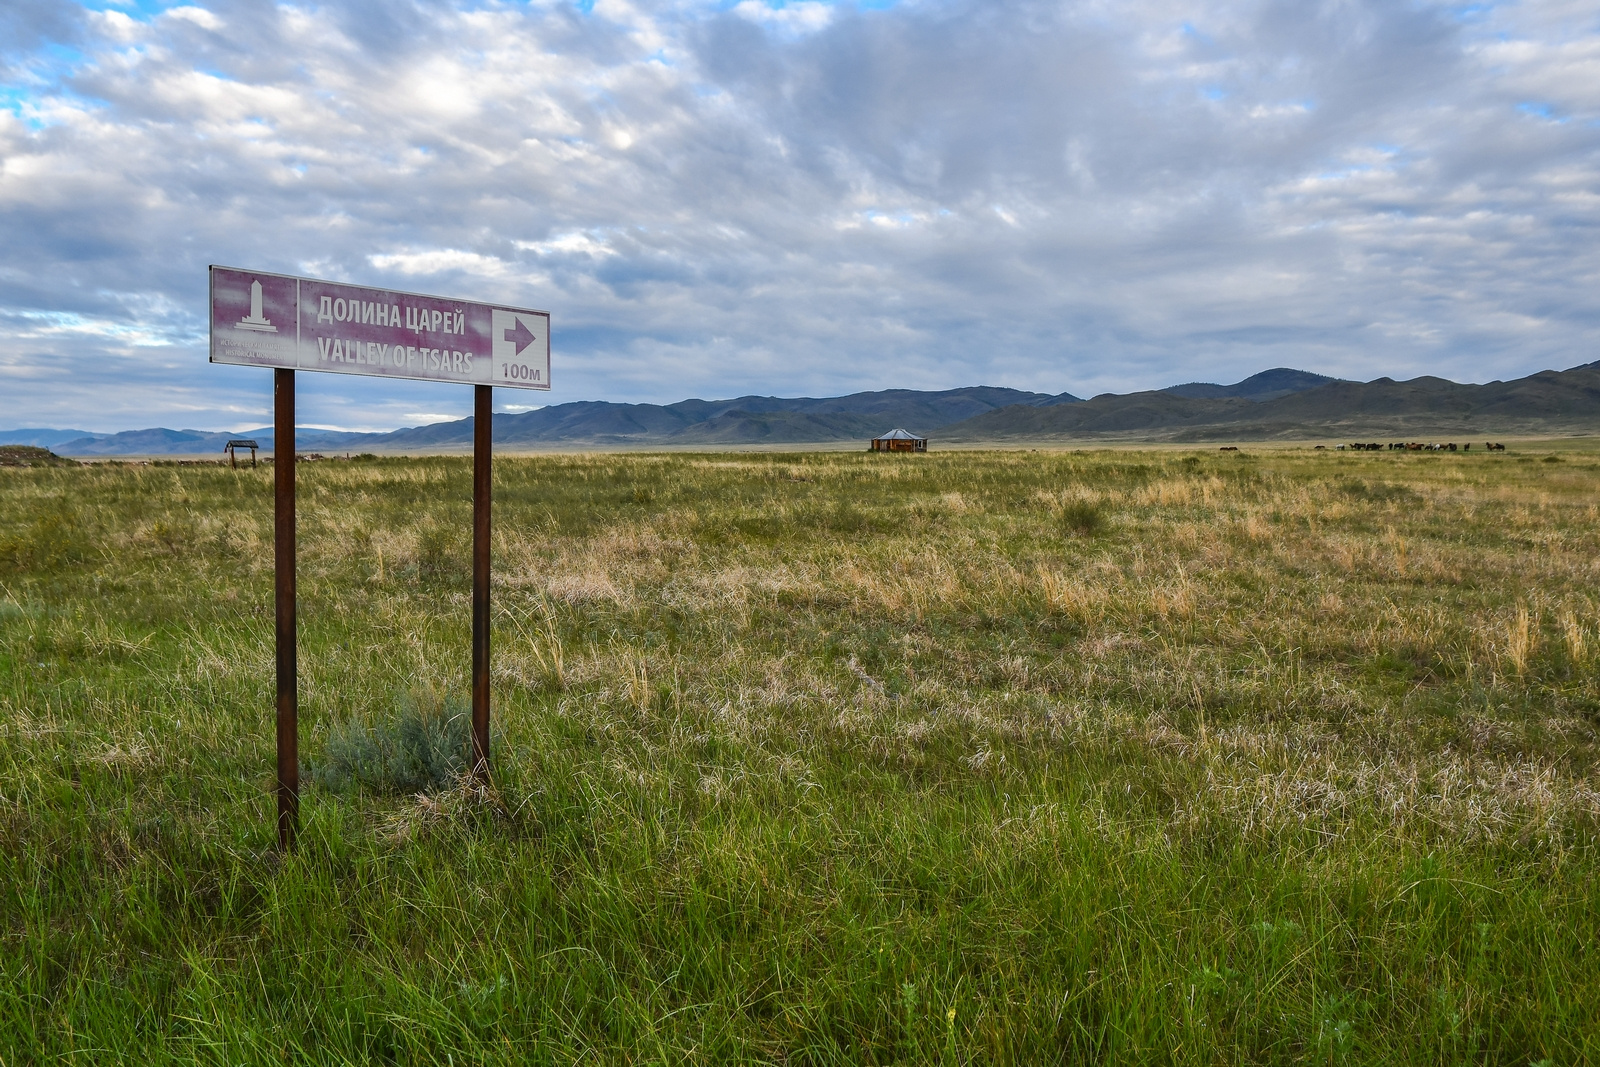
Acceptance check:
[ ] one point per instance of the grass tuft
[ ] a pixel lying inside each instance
(422, 749)
(1084, 518)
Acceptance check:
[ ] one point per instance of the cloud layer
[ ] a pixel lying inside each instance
(714, 199)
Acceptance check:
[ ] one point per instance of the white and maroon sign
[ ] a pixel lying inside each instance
(275, 320)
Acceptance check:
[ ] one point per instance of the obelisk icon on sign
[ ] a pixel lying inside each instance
(255, 320)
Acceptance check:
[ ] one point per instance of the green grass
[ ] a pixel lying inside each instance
(1000, 757)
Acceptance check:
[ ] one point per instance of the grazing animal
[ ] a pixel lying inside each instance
(1228, 448)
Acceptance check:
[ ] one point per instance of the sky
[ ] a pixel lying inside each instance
(721, 197)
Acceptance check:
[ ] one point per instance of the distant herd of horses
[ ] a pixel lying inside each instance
(1413, 446)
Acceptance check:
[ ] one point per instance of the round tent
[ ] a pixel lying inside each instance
(898, 440)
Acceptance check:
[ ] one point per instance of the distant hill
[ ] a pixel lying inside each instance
(1275, 404)
(742, 420)
(1550, 402)
(781, 427)
(1110, 414)
(163, 442)
(153, 442)
(40, 438)
(1267, 385)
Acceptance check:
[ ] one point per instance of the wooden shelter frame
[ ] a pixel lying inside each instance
(232, 447)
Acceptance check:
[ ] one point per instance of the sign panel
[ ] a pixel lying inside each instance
(277, 320)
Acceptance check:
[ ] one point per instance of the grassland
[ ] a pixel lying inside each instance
(982, 757)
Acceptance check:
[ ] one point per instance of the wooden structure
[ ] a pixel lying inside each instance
(898, 440)
(232, 449)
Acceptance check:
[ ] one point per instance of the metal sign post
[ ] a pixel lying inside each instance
(283, 575)
(287, 323)
(482, 414)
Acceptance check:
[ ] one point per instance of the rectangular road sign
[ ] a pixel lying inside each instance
(277, 320)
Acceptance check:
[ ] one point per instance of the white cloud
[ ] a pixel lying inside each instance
(197, 15)
(33, 325)
(115, 25)
(793, 18)
(440, 261)
(580, 243)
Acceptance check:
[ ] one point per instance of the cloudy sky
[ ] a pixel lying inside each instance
(719, 197)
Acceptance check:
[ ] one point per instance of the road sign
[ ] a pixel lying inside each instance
(287, 323)
(278, 320)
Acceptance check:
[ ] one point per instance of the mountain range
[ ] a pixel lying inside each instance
(1275, 404)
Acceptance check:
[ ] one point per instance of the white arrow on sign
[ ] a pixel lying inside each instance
(513, 334)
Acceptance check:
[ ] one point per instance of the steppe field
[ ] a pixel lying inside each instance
(1277, 756)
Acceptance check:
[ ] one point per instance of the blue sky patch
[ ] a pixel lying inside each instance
(1540, 111)
(143, 10)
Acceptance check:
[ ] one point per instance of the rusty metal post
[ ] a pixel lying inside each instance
(283, 575)
(482, 426)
